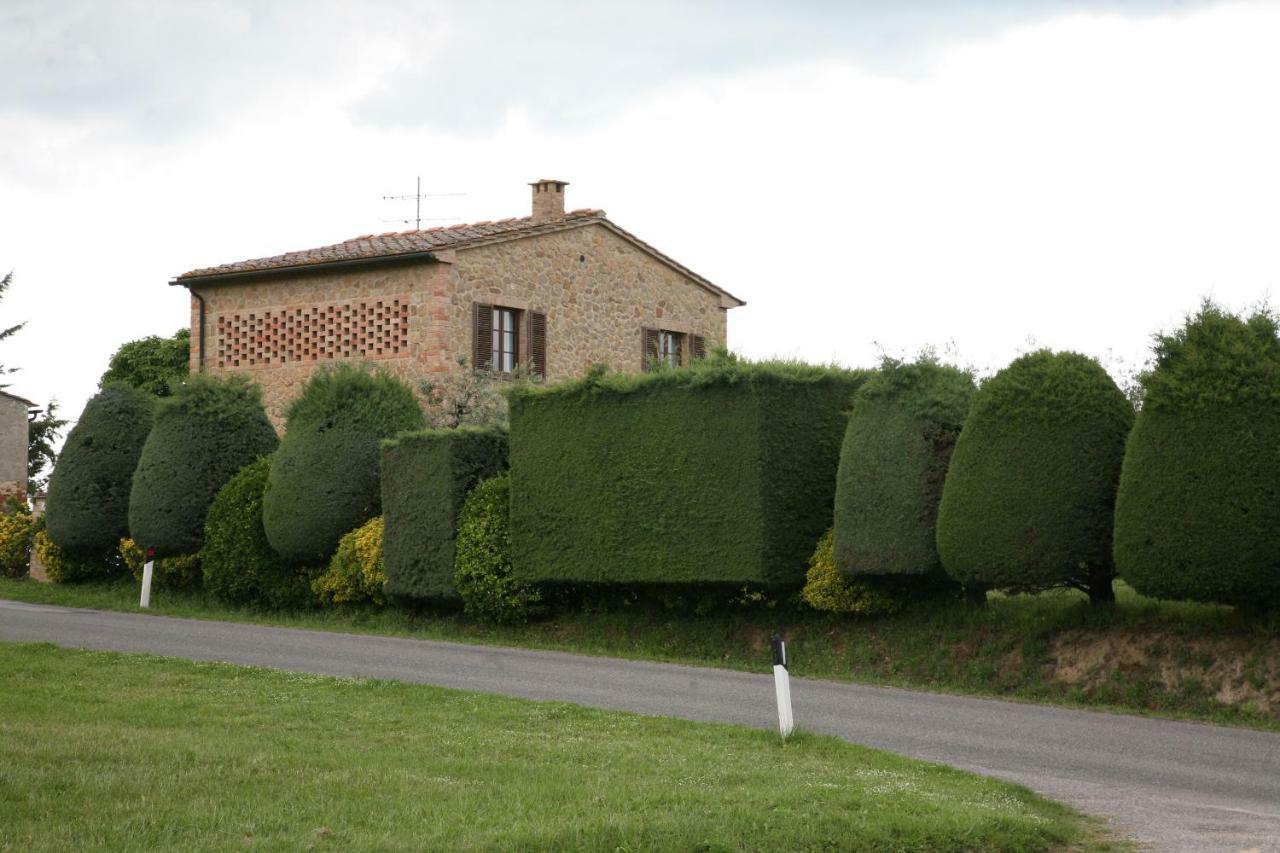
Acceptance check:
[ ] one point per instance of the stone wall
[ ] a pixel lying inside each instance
(597, 289)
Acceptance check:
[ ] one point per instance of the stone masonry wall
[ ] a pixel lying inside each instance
(597, 290)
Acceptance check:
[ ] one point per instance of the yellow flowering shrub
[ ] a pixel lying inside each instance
(62, 566)
(16, 532)
(356, 571)
(180, 572)
(826, 589)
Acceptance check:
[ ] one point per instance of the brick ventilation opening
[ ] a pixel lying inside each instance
(368, 330)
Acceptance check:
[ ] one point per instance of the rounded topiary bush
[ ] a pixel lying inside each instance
(87, 510)
(482, 557)
(203, 434)
(239, 565)
(356, 572)
(1198, 511)
(1030, 493)
(324, 480)
(901, 432)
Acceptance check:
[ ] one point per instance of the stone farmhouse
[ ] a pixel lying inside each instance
(551, 294)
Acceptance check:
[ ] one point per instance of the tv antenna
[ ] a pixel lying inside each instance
(417, 197)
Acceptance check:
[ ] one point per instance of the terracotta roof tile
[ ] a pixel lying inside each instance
(439, 238)
(394, 243)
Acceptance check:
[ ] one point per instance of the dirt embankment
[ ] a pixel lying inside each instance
(1235, 672)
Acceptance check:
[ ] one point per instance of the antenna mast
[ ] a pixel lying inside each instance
(417, 197)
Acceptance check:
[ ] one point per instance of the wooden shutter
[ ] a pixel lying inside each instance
(697, 346)
(538, 343)
(481, 336)
(648, 347)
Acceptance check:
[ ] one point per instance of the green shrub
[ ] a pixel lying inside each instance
(87, 510)
(825, 588)
(203, 434)
(901, 432)
(483, 577)
(721, 472)
(181, 572)
(61, 566)
(1030, 493)
(324, 480)
(356, 571)
(1198, 512)
(238, 563)
(17, 530)
(425, 478)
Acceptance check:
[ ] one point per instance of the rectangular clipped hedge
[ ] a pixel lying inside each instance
(719, 473)
(425, 478)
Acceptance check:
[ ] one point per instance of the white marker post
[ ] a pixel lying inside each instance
(782, 683)
(146, 578)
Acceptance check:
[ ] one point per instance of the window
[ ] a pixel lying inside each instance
(505, 354)
(670, 345)
(670, 348)
(506, 340)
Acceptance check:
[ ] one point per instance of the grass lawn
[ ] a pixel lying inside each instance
(1141, 656)
(119, 752)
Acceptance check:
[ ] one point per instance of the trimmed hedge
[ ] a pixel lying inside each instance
(87, 511)
(238, 563)
(203, 434)
(1029, 497)
(721, 472)
(901, 432)
(483, 576)
(425, 478)
(1198, 512)
(355, 573)
(324, 480)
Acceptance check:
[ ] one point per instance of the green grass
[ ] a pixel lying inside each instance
(1144, 656)
(105, 751)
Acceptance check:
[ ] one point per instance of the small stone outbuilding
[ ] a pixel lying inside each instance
(551, 294)
(14, 437)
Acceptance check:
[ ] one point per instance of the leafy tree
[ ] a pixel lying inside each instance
(42, 433)
(154, 364)
(9, 331)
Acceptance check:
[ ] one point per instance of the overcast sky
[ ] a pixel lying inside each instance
(982, 177)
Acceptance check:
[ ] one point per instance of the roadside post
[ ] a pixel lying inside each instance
(782, 685)
(147, 568)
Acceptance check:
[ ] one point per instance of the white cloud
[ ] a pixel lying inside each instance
(1081, 181)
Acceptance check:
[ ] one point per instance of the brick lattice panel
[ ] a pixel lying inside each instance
(365, 330)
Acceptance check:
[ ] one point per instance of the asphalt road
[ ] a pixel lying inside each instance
(1179, 786)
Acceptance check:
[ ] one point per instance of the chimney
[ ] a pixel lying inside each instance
(548, 200)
